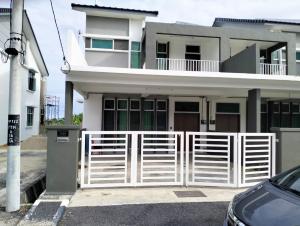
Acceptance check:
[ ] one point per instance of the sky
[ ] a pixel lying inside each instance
(200, 12)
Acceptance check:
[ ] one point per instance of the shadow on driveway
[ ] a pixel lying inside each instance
(167, 214)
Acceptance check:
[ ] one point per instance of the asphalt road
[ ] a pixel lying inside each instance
(167, 214)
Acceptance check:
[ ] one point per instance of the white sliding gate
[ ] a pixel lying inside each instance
(123, 158)
(155, 158)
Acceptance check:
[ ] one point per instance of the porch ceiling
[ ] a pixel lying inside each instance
(90, 79)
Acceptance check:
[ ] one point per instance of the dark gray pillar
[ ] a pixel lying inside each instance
(68, 103)
(224, 50)
(150, 49)
(253, 111)
(291, 57)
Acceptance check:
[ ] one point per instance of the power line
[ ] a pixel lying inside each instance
(61, 45)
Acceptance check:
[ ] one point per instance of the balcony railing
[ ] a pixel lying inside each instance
(187, 65)
(273, 69)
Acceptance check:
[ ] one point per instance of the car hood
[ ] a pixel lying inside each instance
(268, 206)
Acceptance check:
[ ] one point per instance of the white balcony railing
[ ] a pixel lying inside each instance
(187, 65)
(273, 69)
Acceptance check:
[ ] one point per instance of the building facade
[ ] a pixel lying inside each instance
(34, 74)
(137, 75)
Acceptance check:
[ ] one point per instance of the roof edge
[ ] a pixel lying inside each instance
(146, 12)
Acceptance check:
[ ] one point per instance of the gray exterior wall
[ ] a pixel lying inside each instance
(107, 26)
(107, 59)
(287, 148)
(224, 35)
(298, 68)
(246, 61)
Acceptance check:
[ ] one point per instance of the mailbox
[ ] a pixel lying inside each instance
(62, 159)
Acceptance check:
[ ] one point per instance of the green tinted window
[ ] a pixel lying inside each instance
(135, 46)
(102, 44)
(135, 60)
(297, 55)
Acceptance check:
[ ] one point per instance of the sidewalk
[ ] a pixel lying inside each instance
(33, 167)
(149, 206)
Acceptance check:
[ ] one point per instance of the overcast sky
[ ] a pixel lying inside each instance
(194, 11)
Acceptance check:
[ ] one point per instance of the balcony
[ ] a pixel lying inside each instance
(187, 65)
(273, 69)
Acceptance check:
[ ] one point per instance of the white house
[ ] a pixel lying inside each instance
(153, 91)
(34, 77)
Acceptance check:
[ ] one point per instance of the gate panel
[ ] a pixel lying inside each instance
(161, 158)
(257, 161)
(212, 160)
(106, 159)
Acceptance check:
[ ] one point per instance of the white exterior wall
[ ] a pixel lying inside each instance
(209, 47)
(92, 112)
(29, 98)
(4, 92)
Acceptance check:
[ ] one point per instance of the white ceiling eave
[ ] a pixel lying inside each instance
(119, 76)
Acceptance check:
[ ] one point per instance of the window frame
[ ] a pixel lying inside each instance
(91, 48)
(31, 116)
(31, 78)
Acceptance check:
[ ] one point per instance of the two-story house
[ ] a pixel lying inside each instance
(34, 74)
(137, 75)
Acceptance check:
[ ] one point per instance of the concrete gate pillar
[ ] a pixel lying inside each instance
(68, 103)
(253, 111)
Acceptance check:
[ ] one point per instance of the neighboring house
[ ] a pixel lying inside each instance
(179, 77)
(34, 74)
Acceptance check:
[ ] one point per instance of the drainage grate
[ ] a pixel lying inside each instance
(189, 194)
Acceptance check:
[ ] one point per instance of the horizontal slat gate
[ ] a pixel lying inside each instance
(156, 158)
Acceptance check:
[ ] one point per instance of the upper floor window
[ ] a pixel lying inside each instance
(135, 55)
(192, 52)
(107, 44)
(31, 81)
(162, 50)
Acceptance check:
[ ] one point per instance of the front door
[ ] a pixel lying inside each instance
(186, 122)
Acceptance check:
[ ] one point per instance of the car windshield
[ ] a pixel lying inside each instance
(289, 181)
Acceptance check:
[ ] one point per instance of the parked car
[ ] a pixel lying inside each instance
(275, 202)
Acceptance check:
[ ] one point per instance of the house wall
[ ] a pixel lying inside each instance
(92, 112)
(247, 61)
(106, 59)
(209, 47)
(29, 98)
(105, 25)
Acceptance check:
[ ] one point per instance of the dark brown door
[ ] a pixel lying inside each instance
(228, 123)
(186, 122)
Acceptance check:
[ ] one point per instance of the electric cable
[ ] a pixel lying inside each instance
(60, 41)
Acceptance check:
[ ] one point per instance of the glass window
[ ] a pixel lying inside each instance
(192, 49)
(276, 108)
(30, 113)
(109, 120)
(187, 106)
(295, 108)
(298, 55)
(148, 120)
(122, 120)
(161, 47)
(102, 43)
(109, 104)
(122, 105)
(136, 46)
(285, 107)
(135, 120)
(276, 120)
(228, 108)
(161, 120)
(134, 105)
(135, 60)
(87, 42)
(31, 81)
(121, 44)
(148, 105)
(161, 105)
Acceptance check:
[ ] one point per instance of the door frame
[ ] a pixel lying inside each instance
(243, 110)
(202, 110)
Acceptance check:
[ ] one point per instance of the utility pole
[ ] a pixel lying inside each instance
(15, 95)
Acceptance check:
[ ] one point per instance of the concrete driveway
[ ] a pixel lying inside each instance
(149, 206)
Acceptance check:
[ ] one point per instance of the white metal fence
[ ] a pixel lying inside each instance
(144, 158)
(273, 69)
(187, 65)
(125, 158)
(212, 159)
